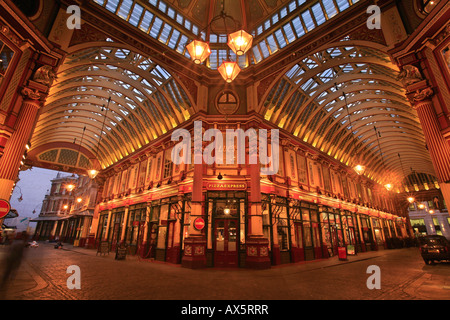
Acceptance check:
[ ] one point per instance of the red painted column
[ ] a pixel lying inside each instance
(15, 146)
(257, 246)
(437, 145)
(194, 256)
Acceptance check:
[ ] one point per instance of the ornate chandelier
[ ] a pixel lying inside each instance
(239, 42)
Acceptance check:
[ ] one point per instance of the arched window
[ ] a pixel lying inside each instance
(425, 6)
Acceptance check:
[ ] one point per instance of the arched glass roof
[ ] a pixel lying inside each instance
(145, 102)
(343, 96)
(113, 86)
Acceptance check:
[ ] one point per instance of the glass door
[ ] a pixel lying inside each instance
(226, 250)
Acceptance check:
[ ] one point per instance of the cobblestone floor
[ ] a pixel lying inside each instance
(404, 276)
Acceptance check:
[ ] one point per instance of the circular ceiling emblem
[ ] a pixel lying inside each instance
(227, 102)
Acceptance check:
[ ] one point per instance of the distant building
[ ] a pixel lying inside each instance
(67, 210)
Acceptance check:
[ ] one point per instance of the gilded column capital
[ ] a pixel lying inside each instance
(423, 94)
(31, 94)
(420, 96)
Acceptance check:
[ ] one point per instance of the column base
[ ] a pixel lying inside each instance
(194, 256)
(257, 256)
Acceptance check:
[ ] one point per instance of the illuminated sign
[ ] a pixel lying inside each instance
(226, 186)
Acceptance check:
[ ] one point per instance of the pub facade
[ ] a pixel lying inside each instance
(231, 215)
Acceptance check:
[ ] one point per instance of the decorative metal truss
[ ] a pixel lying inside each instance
(308, 101)
(146, 101)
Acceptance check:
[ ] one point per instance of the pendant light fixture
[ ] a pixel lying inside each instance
(198, 50)
(359, 168)
(93, 172)
(229, 70)
(389, 186)
(238, 41)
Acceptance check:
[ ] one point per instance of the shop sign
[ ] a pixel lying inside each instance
(226, 186)
(5, 207)
(199, 224)
(351, 249)
(342, 253)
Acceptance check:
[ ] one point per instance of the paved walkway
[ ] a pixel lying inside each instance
(43, 276)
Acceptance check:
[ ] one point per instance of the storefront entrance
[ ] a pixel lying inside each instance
(226, 245)
(226, 228)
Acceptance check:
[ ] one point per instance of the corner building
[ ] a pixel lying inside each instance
(341, 96)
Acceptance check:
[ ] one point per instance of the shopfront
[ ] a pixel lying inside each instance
(332, 234)
(134, 233)
(350, 230)
(167, 228)
(367, 236)
(115, 227)
(378, 233)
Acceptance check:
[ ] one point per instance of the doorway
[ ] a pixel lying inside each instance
(226, 228)
(226, 244)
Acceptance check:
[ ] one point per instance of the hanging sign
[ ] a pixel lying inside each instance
(199, 223)
(5, 207)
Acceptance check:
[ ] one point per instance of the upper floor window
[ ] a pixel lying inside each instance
(425, 6)
(6, 56)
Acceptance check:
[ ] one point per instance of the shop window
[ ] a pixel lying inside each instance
(162, 230)
(283, 229)
(186, 219)
(266, 218)
(136, 217)
(102, 225)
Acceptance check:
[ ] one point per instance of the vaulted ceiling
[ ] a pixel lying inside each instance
(342, 97)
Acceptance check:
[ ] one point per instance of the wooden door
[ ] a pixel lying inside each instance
(226, 243)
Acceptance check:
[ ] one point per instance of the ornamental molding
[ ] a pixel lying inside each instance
(421, 95)
(31, 94)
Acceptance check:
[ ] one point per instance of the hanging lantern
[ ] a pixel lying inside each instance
(92, 173)
(240, 42)
(198, 50)
(229, 70)
(389, 186)
(359, 169)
